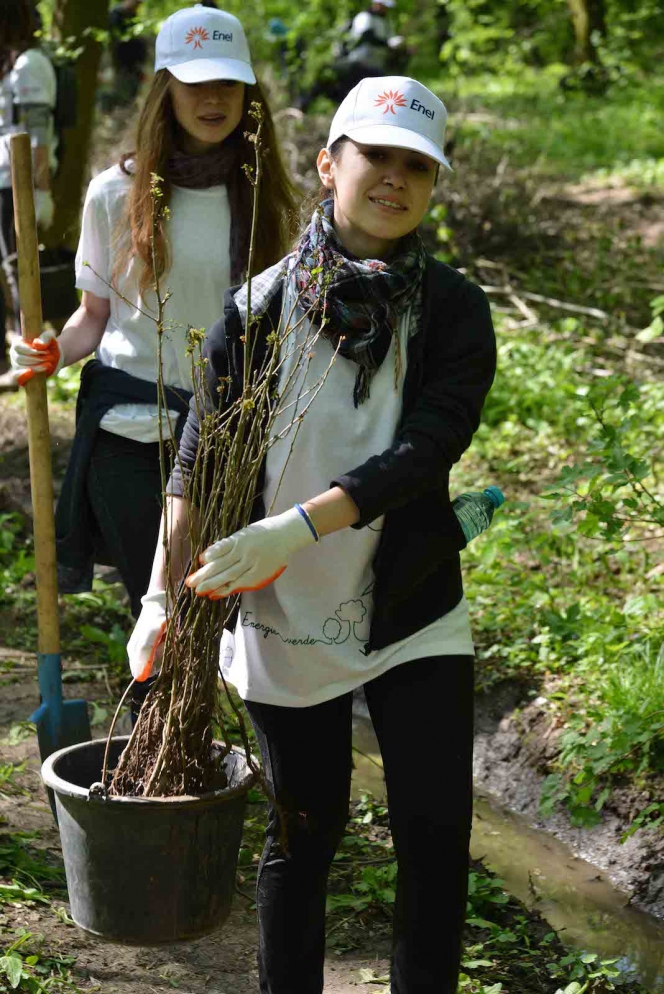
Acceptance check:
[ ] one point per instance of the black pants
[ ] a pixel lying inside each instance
(124, 489)
(422, 712)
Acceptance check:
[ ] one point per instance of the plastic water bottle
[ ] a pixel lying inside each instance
(475, 510)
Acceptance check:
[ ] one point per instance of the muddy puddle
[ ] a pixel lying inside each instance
(574, 896)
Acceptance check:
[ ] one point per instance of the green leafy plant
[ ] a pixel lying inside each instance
(63, 388)
(652, 816)
(484, 891)
(16, 893)
(19, 732)
(113, 641)
(25, 967)
(655, 329)
(16, 555)
(27, 865)
(607, 495)
(8, 783)
(586, 971)
(620, 732)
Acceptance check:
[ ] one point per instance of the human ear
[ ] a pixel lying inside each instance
(324, 165)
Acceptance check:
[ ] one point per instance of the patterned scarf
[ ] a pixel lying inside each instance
(357, 302)
(221, 165)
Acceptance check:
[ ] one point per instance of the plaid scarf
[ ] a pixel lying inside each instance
(357, 302)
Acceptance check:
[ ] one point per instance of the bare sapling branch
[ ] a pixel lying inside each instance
(174, 748)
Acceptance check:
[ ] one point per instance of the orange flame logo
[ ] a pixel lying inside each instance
(198, 36)
(391, 99)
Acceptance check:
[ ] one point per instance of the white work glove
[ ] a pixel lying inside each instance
(44, 208)
(148, 635)
(253, 557)
(41, 355)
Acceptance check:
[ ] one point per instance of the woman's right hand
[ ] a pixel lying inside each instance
(41, 355)
(148, 635)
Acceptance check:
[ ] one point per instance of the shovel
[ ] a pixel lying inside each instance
(59, 723)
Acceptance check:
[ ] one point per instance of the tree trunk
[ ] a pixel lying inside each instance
(70, 19)
(589, 18)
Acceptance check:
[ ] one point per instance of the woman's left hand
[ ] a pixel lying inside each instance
(41, 355)
(251, 558)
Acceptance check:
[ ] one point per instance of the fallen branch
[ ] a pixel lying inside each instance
(562, 305)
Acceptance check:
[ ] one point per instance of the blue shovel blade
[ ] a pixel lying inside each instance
(59, 723)
(73, 726)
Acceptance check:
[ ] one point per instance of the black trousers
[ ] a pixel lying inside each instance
(124, 490)
(422, 712)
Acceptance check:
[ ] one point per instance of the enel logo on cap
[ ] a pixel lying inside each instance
(392, 98)
(198, 36)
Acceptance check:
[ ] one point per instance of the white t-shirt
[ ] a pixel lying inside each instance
(31, 81)
(199, 241)
(299, 641)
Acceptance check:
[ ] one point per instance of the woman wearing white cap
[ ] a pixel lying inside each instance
(372, 593)
(191, 134)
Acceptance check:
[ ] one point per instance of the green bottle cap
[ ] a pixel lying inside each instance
(496, 495)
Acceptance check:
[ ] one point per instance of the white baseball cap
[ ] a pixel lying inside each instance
(384, 3)
(395, 111)
(200, 43)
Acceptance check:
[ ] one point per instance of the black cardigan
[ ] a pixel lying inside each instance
(451, 366)
(79, 544)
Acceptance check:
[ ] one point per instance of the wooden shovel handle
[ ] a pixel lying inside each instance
(41, 481)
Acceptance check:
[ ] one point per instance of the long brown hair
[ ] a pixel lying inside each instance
(18, 23)
(155, 142)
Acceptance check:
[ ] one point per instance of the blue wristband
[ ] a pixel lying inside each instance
(311, 525)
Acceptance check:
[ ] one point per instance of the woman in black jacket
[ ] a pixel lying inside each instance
(372, 595)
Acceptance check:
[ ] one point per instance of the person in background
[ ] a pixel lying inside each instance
(371, 47)
(27, 100)
(368, 47)
(368, 37)
(192, 133)
(128, 54)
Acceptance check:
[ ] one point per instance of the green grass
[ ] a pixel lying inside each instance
(567, 592)
(537, 126)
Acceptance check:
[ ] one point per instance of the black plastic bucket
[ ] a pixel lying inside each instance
(143, 871)
(57, 278)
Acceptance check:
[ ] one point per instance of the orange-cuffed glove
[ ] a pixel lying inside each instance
(41, 355)
(254, 556)
(147, 635)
